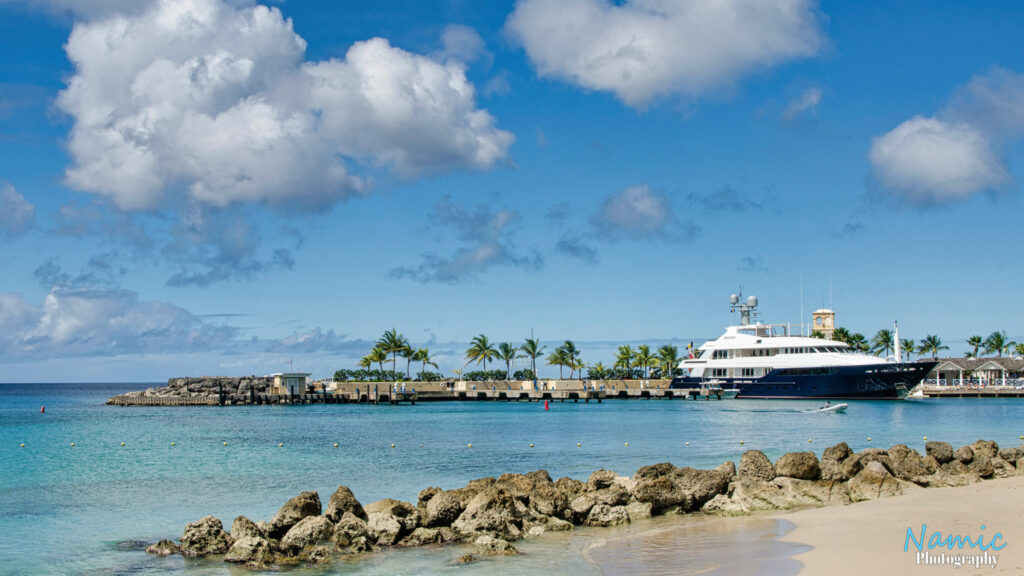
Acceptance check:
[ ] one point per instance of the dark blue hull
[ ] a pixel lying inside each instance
(871, 382)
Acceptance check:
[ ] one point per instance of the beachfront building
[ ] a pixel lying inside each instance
(824, 320)
(978, 372)
(291, 383)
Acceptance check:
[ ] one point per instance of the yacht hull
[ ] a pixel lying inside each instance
(866, 382)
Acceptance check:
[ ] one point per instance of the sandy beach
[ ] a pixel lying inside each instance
(869, 537)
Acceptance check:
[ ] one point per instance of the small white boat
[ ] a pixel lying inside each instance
(840, 408)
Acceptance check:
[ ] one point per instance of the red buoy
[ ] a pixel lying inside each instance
(545, 404)
(42, 410)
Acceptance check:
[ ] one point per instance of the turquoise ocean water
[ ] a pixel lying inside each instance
(74, 510)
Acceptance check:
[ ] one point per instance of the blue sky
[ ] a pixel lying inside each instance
(219, 186)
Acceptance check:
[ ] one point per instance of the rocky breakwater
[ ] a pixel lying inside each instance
(205, 390)
(490, 513)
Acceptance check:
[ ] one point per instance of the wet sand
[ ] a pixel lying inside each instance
(673, 545)
(869, 537)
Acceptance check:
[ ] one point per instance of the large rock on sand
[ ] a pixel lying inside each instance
(941, 451)
(839, 463)
(205, 536)
(294, 510)
(783, 493)
(754, 465)
(873, 482)
(802, 465)
(600, 479)
(908, 464)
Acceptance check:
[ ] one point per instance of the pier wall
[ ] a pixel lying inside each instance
(224, 391)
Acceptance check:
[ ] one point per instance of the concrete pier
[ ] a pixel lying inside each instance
(388, 393)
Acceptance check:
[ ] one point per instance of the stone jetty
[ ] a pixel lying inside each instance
(202, 391)
(491, 513)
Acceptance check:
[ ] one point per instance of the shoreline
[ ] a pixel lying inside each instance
(869, 537)
(493, 512)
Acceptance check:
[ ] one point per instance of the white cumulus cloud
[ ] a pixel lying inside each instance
(642, 49)
(100, 322)
(214, 99)
(16, 213)
(958, 152)
(928, 159)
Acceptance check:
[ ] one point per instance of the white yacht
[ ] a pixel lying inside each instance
(769, 361)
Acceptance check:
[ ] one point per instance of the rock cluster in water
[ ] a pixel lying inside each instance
(205, 386)
(492, 512)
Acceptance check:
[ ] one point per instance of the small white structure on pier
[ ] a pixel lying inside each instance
(290, 383)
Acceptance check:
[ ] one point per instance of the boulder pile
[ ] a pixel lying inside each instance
(489, 513)
(200, 388)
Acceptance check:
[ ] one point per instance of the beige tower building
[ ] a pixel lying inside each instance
(824, 320)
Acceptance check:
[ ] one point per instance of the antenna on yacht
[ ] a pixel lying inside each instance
(746, 309)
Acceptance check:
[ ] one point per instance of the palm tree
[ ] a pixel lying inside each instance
(931, 344)
(907, 344)
(571, 353)
(508, 352)
(1018, 349)
(996, 342)
(644, 359)
(578, 364)
(625, 358)
(481, 350)
(558, 358)
(366, 363)
(423, 355)
(378, 355)
(533, 349)
(882, 342)
(818, 334)
(858, 342)
(841, 335)
(668, 355)
(409, 353)
(392, 343)
(975, 342)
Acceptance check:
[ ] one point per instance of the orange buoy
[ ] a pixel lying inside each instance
(42, 410)
(546, 405)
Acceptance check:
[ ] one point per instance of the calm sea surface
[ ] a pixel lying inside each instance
(71, 510)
